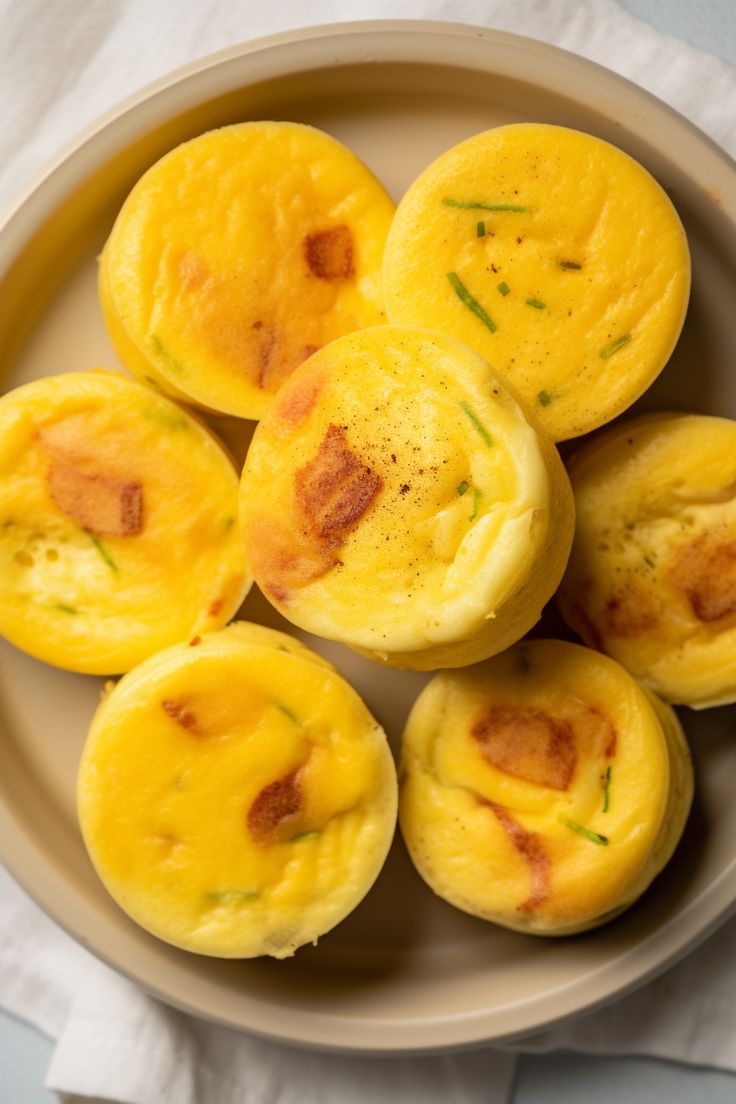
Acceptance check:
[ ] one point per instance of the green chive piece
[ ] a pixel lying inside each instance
(594, 837)
(649, 561)
(166, 418)
(503, 287)
(480, 229)
(478, 425)
(536, 303)
(287, 712)
(607, 789)
(571, 265)
(313, 834)
(63, 608)
(477, 496)
(544, 398)
(472, 205)
(104, 553)
(160, 349)
(614, 347)
(470, 301)
(462, 487)
(232, 896)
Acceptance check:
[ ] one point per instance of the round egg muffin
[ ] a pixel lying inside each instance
(118, 531)
(397, 499)
(235, 795)
(544, 789)
(237, 255)
(652, 575)
(556, 256)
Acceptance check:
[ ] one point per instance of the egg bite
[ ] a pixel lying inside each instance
(652, 575)
(118, 532)
(397, 499)
(556, 256)
(544, 789)
(236, 256)
(236, 797)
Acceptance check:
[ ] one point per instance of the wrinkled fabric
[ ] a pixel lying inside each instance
(63, 64)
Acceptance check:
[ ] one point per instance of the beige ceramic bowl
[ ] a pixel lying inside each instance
(405, 972)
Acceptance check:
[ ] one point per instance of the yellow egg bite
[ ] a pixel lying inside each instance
(237, 798)
(237, 255)
(397, 499)
(118, 531)
(544, 789)
(652, 575)
(556, 256)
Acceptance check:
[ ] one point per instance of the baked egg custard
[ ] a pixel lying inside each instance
(237, 255)
(544, 789)
(556, 256)
(235, 795)
(397, 499)
(652, 575)
(118, 531)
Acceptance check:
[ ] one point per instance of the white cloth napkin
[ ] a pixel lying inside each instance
(61, 64)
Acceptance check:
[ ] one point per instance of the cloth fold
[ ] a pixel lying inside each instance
(60, 66)
(117, 1043)
(65, 63)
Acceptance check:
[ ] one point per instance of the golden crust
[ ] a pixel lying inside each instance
(514, 242)
(544, 789)
(652, 574)
(237, 256)
(235, 795)
(118, 533)
(396, 465)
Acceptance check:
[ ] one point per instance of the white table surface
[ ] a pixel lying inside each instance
(544, 1079)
